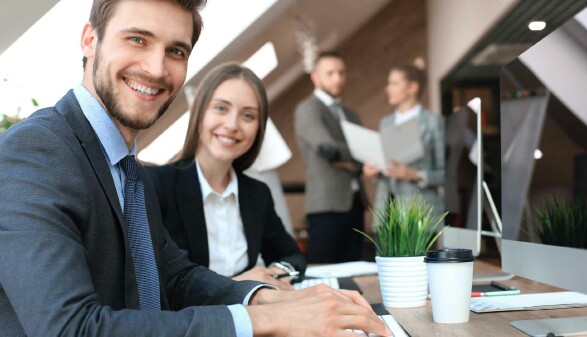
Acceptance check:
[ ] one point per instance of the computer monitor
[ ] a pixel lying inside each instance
(544, 160)
(480, 203)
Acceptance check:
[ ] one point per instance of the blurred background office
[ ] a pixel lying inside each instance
(463, 42)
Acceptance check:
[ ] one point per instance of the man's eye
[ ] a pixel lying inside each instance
(177, 52)
(136, 39)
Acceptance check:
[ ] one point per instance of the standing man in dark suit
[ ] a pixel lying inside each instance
(82, 248)
(335, 201)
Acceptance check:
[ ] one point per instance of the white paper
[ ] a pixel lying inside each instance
(346, 269)
(563, 299)
(364, 144)
(402, 143)
(274, 151)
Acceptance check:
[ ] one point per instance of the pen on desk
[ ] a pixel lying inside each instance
(293, 273)
(495, 293)
(501, 286)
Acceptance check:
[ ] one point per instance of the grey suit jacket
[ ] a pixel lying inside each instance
(432, 164)
(328, 188)
(65, 264)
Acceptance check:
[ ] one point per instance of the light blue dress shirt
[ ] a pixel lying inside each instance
(115, 149)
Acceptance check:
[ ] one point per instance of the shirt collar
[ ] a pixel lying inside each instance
(108, 134)
(326, 98)
(402, 117)
(206, 189)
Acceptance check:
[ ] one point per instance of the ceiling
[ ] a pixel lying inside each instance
(512, 29)
(16, 16)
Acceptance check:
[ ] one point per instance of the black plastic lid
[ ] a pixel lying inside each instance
(449, 255)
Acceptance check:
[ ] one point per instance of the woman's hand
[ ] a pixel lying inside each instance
(402, 171)
(263, 274)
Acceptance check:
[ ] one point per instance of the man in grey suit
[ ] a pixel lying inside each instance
(84, 254)
(335, 201)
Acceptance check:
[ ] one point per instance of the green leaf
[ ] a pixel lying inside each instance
(406, 227)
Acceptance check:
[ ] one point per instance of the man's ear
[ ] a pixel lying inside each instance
(89, 41)
(314, 77)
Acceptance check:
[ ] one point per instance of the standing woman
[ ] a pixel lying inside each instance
(221, 217)
(405, 86)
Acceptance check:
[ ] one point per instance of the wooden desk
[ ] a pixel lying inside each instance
(418, 321)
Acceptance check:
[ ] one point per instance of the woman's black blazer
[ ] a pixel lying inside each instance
(180, 199)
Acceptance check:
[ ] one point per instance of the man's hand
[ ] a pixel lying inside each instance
(313, 312)
(262, 274)
(402, 171)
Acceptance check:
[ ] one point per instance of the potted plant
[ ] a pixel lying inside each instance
(404, 231)
(562, 223)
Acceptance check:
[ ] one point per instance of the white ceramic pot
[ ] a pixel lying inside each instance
(403, 281)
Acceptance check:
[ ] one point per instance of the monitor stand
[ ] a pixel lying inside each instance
(571, 326)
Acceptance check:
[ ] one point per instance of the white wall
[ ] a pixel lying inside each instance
(453, 28)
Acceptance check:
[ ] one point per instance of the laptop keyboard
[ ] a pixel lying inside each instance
(309, 282)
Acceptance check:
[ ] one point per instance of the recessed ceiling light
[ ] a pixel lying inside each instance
(538, 154)
(537, 25)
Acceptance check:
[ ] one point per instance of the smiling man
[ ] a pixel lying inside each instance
(82, 248)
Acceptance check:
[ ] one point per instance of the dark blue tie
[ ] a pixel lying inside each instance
(139, 237)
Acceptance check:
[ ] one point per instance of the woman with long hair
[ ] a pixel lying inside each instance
(223, 218)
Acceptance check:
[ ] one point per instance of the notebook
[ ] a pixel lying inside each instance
(555, 300)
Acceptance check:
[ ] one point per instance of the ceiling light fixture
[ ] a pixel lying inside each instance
(537, 25)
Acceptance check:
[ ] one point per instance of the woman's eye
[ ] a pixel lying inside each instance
(249, 116)
(219, 108)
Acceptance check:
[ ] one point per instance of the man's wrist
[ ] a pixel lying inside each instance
(263, 295)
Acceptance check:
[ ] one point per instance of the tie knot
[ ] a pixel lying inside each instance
(130, 167)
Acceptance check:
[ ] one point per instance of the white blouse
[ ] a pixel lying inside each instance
(227, 244)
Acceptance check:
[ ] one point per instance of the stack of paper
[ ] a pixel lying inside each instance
(400, 144)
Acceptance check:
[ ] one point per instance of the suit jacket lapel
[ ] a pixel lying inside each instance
(250, 221)
(69, 108)
(423, 121)
(333, 125)
(191, 210)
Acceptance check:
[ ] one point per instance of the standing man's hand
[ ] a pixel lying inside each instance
(313, 312)
(370, 170)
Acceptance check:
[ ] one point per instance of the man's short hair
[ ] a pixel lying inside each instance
(103, 10)
(327, 54)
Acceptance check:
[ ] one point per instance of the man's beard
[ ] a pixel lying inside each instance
(104, 90)
(330, 93)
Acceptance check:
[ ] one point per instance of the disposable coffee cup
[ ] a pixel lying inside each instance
(450, 279)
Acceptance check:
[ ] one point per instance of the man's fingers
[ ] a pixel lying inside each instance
(358, 299)
(366, 322)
